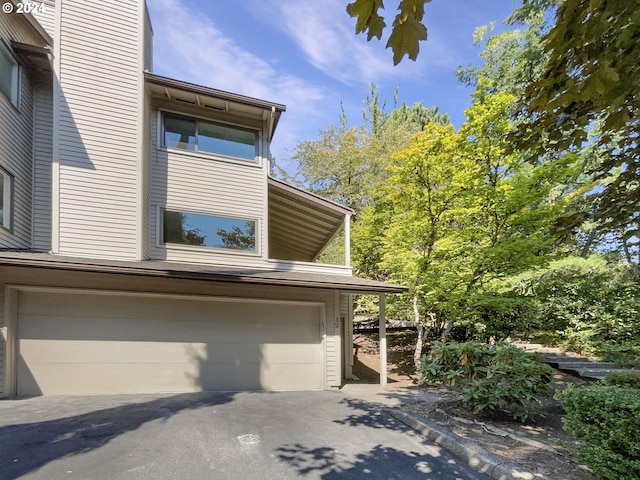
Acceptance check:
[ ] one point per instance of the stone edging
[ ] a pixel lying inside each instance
(475, 456)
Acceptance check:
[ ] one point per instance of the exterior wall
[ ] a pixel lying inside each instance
(148, 41)
(42, 156)
(47, 18)
(3, 344)
(98, 130)
(196, 183)
(129, 283)
(16, 138)
(145, 179)
(346, 320)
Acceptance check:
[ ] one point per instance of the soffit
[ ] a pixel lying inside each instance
(214, 101)
(301, 224)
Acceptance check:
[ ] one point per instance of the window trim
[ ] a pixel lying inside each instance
(207, 154)
(160, 209)
(6, 50)
(6, 222)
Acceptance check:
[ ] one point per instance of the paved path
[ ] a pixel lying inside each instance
(574, 363)
(310, 435)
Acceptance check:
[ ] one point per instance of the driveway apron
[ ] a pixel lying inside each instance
(284, 435)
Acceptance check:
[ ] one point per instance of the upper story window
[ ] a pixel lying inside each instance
(208, 231)
(9, 74)
(6, 189)
(202, 136)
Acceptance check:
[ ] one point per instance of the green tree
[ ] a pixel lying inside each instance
(239, 238)
(459, 213)
(347, 162)
(399, 234)
(589, 93)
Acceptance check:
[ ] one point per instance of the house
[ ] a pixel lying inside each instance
(144, 247)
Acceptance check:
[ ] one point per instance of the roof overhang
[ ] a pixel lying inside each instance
(152, 268)
(212, 101)
(301, 224)
(35, 58)
(35, 25)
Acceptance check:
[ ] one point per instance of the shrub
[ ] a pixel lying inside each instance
(492, 377)
(607, 419)
(626, 355)
(623, 379)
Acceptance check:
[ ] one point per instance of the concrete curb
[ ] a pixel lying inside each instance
(475, 456)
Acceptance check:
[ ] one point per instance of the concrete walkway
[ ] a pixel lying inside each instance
(573, 363)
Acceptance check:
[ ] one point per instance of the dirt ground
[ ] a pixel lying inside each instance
(537, 445)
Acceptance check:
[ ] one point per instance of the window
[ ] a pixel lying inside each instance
(208, 231)
(9, 74)
(202, 136)
(6, 189)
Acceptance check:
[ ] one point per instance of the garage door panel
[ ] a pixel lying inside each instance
(57, 327)
(97, 378)
(87, 343)
(96, 306)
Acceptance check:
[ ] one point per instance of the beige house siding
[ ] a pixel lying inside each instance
(47, 18)
(16, 150)
(128, 283)
(346, 318)
(3, 343)
(203, 184)
(145, 180)
(99, 131)
(16, 139)
(148, 41)
(43, 154)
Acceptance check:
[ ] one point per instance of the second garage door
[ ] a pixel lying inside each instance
(87, 343)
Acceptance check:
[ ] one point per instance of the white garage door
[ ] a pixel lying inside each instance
(73, 343)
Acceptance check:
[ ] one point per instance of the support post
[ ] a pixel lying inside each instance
(382, 325)
(10, 333)
(347, 240)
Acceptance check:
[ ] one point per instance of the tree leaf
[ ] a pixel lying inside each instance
(405, 38)
(366, 12)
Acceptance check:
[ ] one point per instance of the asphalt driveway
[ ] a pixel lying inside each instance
(314, 435)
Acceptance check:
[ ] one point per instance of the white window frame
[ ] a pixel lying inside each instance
(7, 200)
(14, 95)
(205, 153)
(201, 248)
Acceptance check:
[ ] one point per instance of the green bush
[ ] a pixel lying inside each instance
(607, 420)
(623, 379)
(588, 302)
(492, 377)
(626, 355)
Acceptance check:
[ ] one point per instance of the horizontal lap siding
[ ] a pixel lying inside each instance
(98, 141)
(148, 41)
(43, 154)
(16, 139)
(16, 154)
(203, 185)
(47, 18)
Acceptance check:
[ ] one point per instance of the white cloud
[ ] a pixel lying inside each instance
(325, 34)
(190, 46)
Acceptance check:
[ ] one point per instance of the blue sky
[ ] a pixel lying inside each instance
(305, 55)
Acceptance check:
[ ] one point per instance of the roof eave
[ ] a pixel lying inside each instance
(59, 264)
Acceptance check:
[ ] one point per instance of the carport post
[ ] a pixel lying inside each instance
(382, 325)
